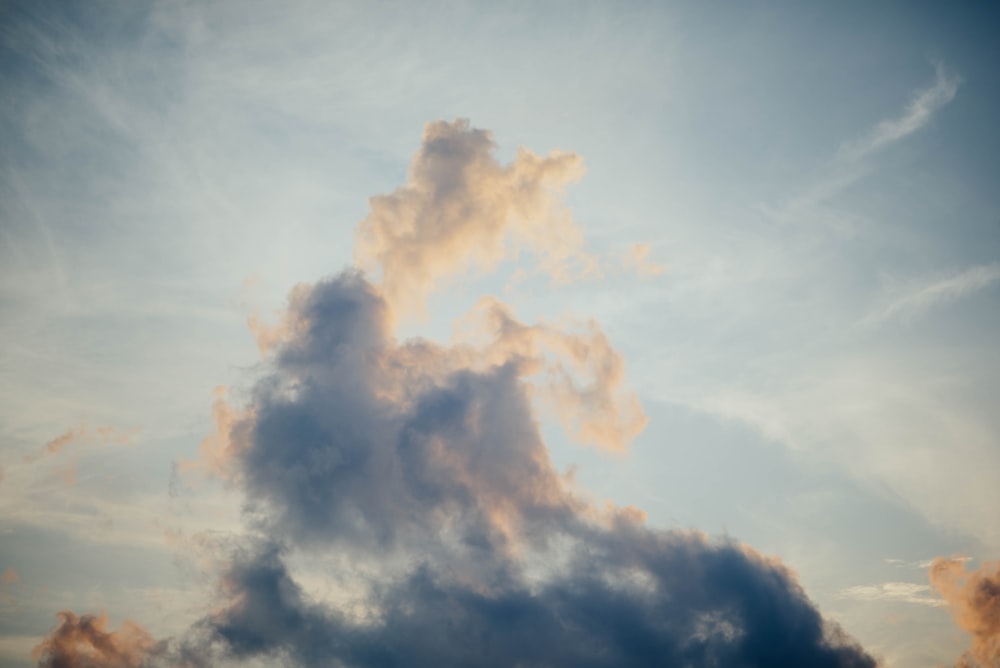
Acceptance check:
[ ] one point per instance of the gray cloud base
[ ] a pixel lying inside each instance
(452, 473)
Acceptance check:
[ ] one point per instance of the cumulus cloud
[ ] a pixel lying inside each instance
(461, 208)
(583, 376)
(86, 642)
(627, 597)
(216, 450)
(973, 599)
(356, 438)
(417, 473)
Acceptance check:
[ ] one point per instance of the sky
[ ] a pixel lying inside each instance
(549, 334)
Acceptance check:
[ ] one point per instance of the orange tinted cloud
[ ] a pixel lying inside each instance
(637, 260)
(61, 441)
(9, 577)
(974, 601)
(216, 451)
(86, 642)
(580, 375)
(267, 336)
(104, 435)
(462, 209)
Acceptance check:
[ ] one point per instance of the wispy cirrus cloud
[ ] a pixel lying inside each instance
(849, 164)
(899, 592)
(917, 300)
(918, 113)
(104, 435)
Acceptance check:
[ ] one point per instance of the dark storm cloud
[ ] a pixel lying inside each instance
(642, 598)
(356, 440)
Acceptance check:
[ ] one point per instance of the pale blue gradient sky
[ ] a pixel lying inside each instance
(818, 360)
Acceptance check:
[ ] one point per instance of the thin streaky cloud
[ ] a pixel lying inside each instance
(918, 113)
(848, 164)
(900, 592)
(922, 298)
(922, 564)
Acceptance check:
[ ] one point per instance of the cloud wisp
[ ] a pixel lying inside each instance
(105, 435)
(417, 472)
(849, 163)
(922, 107)
(922, 298)
(901, 592)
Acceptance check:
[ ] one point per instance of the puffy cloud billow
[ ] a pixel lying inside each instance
(418, 472)
(86, 642)
(627, 597)
(973, 598)
(461, 208)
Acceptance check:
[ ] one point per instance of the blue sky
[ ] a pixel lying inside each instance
(813, 340)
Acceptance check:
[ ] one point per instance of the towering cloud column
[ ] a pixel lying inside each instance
(417, 471)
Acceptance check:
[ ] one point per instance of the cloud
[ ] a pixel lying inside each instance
(85, 642)
(917, 114)
(60, 442)
(416, 474)
(10, 577)
(215, 451)
(849, 164)
(356, 438)
(584, 376)
(883, 420)
(637, 260)
(104, 435)
(629, 597)
(461, 209)
(902, 592)
(925, 297)
(974, 601)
